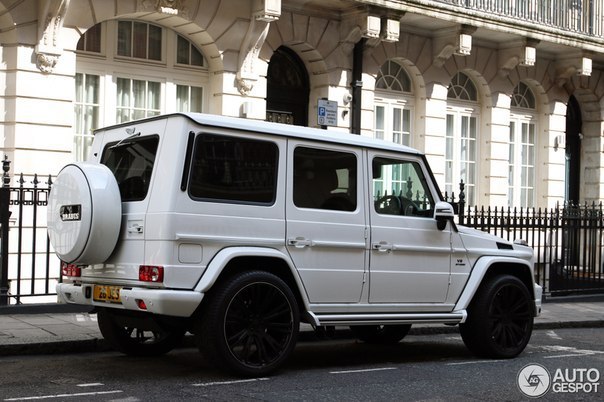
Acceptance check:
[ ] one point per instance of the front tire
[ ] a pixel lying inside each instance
(500, 319)
(250, 324)
(137, 341)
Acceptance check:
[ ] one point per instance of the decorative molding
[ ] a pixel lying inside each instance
(263, 13)
(51, 16)
(578, 63)
(170, 7)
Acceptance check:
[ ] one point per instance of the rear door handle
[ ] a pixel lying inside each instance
(382, 246)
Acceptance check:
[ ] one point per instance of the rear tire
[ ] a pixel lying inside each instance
(135, 341)
(380, 334)
(500, 319)
(250, 324)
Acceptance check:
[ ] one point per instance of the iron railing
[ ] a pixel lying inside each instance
(580, 16)
(29, 268)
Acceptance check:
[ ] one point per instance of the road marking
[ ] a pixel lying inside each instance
(570, 351)
(553, 335)
(33, 398)
(92, 384)
(209, 384)
(474, 362)
(362, 370)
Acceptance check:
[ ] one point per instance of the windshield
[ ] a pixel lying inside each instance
(131, 162)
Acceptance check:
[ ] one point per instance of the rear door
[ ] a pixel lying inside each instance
(326, 223)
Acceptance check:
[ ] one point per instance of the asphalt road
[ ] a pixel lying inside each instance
(429, 367)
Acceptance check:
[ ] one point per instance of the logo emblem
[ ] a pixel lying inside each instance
(534, 380)
(70, 213)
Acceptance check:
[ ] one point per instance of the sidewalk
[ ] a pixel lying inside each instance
(73, 332)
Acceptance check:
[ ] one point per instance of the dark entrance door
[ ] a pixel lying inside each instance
(573, 151)
(287, 88)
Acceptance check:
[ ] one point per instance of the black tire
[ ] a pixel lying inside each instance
(250, 324)
(500, 319)
(380, 334)
(134, 341)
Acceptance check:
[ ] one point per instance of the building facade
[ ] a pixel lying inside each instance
(506, 95)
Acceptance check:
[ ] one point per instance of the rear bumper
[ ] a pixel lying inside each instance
(177, 303)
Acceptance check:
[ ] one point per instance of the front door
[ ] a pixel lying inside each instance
(326, 224)
(410, 258)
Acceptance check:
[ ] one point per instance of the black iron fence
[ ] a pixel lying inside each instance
(568, 240)
(29, 269)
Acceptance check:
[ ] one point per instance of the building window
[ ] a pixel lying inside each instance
(393, 104)
(91, 40)
(461, 136)
(521, 168)
(187, 54)
(139, 40)
(137, 99)
(87, 105)
(120, 79)
(189, 98)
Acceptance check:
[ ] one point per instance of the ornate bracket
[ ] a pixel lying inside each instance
(577, 64)
(449, 42)
(51, 15)
(263, 13)
(171, 7)
(523, 53)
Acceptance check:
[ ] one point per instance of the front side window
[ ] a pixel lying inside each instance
(400, 188)
(325, 179)
(233, 169)
(131, 161)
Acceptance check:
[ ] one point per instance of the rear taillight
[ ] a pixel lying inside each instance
(150, 273)
(71, 270)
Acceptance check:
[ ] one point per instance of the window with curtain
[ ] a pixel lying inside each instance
(521, 167)
(393, 111)
(461, 136)
(87, 106)
(133, 69)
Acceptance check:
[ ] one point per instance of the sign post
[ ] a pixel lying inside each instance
(327, 113)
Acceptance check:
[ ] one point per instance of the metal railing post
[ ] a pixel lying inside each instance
(4, 216)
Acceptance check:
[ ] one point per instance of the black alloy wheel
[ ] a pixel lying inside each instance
(500, 319)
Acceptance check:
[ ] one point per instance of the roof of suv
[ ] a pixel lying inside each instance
(278, 129)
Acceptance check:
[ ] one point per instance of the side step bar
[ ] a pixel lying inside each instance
(456, 317)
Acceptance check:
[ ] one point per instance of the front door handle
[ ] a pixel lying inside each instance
(299, 242)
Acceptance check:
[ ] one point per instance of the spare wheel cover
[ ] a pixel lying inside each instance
(84, 213)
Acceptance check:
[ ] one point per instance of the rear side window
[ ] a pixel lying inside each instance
(131, 161)
(233, 169)
(325, 179)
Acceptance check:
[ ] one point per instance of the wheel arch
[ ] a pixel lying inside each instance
(233, 260)
(488, 267)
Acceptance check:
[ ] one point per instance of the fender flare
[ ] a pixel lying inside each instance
(226, 255)
(481, 267)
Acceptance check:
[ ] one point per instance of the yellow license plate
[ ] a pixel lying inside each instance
(106, 293)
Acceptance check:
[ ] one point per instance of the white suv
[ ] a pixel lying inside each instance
(238, 230)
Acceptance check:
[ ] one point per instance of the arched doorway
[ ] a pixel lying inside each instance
(287, 88)
(573, 151)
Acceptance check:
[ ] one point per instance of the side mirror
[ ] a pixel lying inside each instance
(443, 213)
